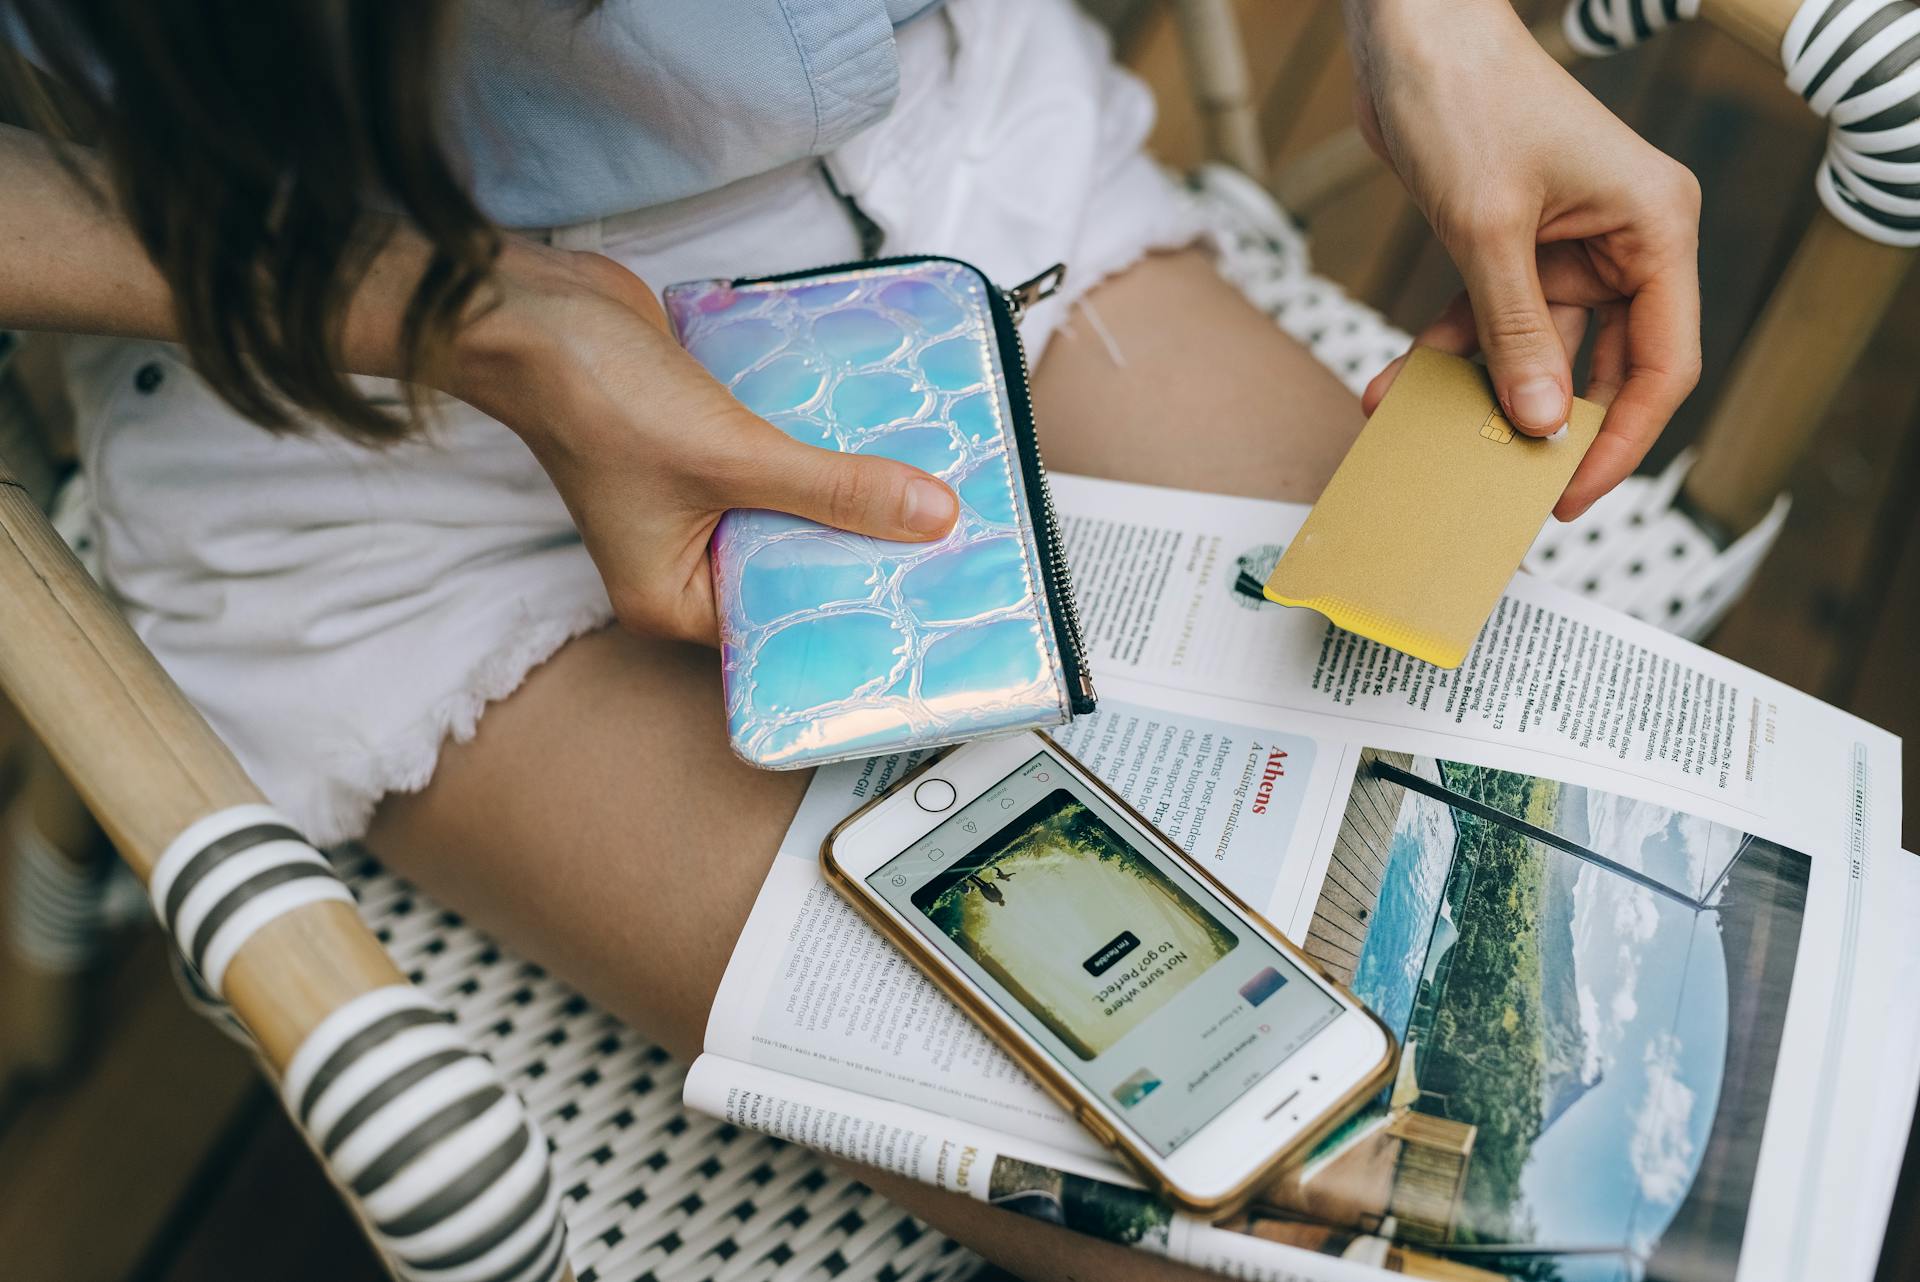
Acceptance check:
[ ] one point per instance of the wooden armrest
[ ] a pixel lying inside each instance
(272, 930)
(32, 422)
(1761, 25)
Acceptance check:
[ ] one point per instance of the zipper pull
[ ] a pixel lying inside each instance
(1029, 292)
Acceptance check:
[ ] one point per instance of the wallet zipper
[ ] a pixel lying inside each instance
(1007, 306)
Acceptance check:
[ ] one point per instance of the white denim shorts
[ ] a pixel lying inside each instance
(339, 613)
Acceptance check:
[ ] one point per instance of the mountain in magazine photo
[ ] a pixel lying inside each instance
(1589, 992)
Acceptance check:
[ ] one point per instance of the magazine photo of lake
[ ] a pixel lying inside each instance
(1589, 992)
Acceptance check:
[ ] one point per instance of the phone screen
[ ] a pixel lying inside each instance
(1131, 971)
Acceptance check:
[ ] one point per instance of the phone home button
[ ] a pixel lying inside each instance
(934, 795)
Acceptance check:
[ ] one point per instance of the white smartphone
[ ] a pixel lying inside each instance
(1179, 1027)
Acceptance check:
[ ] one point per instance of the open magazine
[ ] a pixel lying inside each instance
(1638, 917)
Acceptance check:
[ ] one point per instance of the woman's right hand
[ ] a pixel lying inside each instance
(647, 450)
(1552, 208)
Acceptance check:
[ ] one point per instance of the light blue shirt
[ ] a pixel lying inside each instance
(558, 112)
(561, 114)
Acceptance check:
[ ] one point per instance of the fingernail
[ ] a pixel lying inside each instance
(930, 506)
(1537, 403)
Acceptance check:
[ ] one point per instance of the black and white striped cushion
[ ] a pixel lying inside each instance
(1596, 28)
(53, 905)
(439, 1157)
(230, 874)
(436, 1155)
(1856, 63)
(650, 1192)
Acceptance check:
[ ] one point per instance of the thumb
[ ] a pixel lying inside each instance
(861, 493)
(1518, 336)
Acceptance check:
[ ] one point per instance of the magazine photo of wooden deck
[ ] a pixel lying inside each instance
(1590, 993)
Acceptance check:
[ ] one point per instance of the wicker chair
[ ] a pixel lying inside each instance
(483, 1120)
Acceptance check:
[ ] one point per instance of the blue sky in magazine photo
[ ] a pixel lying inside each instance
(1644, 982)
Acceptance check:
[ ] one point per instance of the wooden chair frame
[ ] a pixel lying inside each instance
(148, 768)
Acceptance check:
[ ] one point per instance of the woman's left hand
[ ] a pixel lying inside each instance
(648, 451)
(1556, 213)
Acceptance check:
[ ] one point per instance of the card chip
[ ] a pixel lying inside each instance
(1404, 545)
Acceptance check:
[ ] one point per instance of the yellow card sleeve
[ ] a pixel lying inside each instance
(1428, 517)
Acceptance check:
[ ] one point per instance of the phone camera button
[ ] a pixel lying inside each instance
(934, 796)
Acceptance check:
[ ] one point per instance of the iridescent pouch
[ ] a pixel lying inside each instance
(835, 645)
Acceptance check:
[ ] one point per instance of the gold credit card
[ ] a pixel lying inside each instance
(1425, 522)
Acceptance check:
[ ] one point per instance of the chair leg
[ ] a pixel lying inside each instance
(1812, 331)
(55, 866)
(1223, 84)
(36, 418)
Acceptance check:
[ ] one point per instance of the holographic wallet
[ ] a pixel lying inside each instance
(836, 645)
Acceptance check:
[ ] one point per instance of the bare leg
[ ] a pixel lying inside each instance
(1167, 376)
(599, 824)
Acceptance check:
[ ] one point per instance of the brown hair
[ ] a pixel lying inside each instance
(243, 141)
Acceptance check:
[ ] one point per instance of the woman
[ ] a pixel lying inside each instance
(400, 628)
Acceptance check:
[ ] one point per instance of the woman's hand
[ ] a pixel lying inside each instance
(1556, 214)
(646, 448)
(569, 350)
(573, 352)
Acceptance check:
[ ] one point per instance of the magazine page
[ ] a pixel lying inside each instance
(1173, 600)
(1637, 730)
(1896, 1075)
(1648, 1006)
(1088, 1195)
